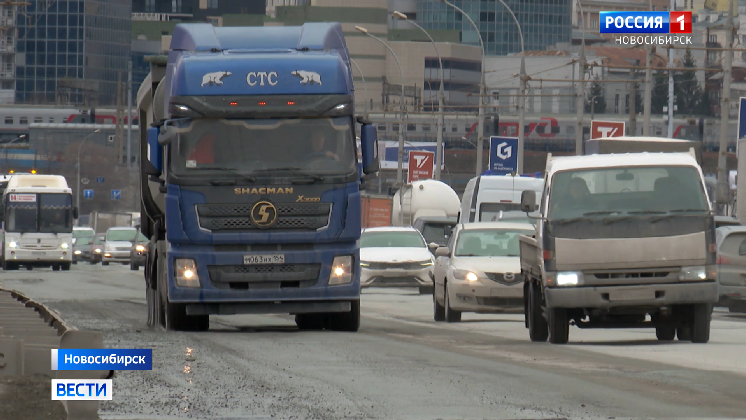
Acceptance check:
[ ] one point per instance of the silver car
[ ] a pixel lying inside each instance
(479, 270)
(117, 245)
(731, 267)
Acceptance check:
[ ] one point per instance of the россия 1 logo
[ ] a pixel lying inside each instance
(645, 22)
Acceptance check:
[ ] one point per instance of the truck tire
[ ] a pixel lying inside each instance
(306, 322)
(701, 317)
(9, 266)
(150, 298)
(55, 267)
(426, 290)
(439, 311)
(104, 263)
(665, 333)
(559, 326)
(66, 266)
(346, 321)
(134, 267)
(538, 329)
(451, 315)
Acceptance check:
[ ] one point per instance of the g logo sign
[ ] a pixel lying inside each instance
(264, 214)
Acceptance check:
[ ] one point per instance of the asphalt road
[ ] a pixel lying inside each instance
(400, 365)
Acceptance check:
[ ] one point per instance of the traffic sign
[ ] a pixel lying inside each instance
(604, 129)
(88, 194)
(420, 165)
(100, 179)
(116, 194)
(741, 121)
(503, 155)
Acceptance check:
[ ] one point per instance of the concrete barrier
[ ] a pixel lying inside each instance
(29, 331)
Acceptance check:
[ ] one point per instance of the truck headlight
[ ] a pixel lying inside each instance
(341, 270)
(697, 273)
(140, 248)
(64, 246)
(12, 245)
(77, 252)
(185, 272)
(568, 279)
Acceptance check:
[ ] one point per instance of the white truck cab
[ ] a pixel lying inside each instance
(38, 219)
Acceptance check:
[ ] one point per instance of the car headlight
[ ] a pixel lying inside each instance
(97, 250)
(77, 252)
(341, 270)
(465, 275)
(568, 279)
(12, 245)
(140, 248)
(185, 272)
(64, 246)
(698, 273)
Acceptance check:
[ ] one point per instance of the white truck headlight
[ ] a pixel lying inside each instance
(12, 245)
(77, 252)
(185, 272)
(64, 246)
(568, 279)
(697, 273)
(341, 270)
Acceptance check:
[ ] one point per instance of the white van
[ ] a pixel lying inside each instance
(490, 198)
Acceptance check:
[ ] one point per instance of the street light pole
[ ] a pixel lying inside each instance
(441, 97)
(400, 168)
(580, 100)
(77, 187)
(23, 136)
(482, 88)
(365, 87)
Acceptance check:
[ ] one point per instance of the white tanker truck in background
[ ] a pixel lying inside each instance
(429, 206)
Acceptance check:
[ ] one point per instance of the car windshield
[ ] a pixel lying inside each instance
(391, 240)
(435, 232)
(99, 240)
(79, 233)
(323, 146)
(489, 242)
(127, 235)
(85, 240)
(45, 213)
(626, 192)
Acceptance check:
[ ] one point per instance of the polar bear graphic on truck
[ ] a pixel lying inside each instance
(307, 77)
(215, 78)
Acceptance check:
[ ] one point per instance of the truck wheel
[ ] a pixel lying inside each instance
(346, 321)
(104, 263)
(178, 320)
(702, 314)
(29, 268)
(309, 321)
(684, 333)
(538, 329)
(151, 298)
(134, 267)
(9, 266)
(439, 311)
(426, 290)
(559, 326)
(451, 315)
(65, 266)
(55, 267)
(665, 333)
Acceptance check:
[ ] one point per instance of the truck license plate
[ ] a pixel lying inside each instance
(635, 294)
(38, 253)
(264, 259)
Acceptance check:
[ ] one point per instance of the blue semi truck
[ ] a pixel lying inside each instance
(250, 179)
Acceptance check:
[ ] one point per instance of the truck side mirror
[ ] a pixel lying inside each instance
(155, 152)
(528, 201)
(166, 135)
(442, 251)
(75, 213)
(369, 146)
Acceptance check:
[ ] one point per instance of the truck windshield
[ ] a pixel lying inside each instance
(489, 243)
(45, 213)
(435, 232)
(323, 146)
(627, 192)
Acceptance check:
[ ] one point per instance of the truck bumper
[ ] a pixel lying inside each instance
(39, 258)
(653, 295)
(226, 285)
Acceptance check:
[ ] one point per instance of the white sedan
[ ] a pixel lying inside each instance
(395, 257)
(479, 270)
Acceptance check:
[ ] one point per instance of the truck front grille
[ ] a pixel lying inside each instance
(267, 276)
(237, 217)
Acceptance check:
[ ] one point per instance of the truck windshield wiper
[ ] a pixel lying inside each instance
(298, 171)
(233, 171)
(600, 213)
(677, 213)
(630, 215)
(646, 212)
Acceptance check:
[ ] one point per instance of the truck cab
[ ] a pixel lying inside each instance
(622, 241)
(250, 193)
(38, 219)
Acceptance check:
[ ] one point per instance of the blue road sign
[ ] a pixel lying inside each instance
(88, 194)
(100, 179)
(116, 194)
(503, 155)
(741, 121)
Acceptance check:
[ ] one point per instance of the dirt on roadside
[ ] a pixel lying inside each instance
(29, 398)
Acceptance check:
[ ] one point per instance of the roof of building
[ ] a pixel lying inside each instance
(620, 160)
(625, 56)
